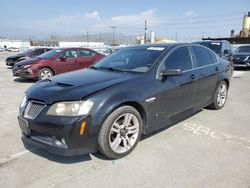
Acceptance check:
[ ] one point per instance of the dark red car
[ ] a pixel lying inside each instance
(55, 62)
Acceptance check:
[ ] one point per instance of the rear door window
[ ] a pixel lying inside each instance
(202, 56)
(86, 53)
(179, 59)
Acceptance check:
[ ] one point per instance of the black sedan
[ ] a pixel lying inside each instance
(135, 91)
(242, 57)
(11, 60)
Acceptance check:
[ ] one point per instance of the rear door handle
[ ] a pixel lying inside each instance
(216, 68)
(192, 77)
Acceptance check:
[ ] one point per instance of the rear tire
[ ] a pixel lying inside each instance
(45, 73)
(220, 96)
(120, 132)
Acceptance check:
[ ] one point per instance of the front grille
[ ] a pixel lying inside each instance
(239, 58)
(33, 109)
(42, 138)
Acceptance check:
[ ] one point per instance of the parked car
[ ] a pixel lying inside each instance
(241, 57)
(135, 91)
(108, 51)
(13, 49)
(10, 61)
(222, 47)
(55, 62)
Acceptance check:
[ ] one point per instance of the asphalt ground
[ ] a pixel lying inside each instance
(209, 149)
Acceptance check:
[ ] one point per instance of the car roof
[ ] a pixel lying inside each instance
(71, 48)
(163, 45)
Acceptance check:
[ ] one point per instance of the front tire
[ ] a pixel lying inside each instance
(220, 96)
(45, 73)
(120, 132)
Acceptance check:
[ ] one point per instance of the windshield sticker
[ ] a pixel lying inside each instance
(156, 48)
(216, 43)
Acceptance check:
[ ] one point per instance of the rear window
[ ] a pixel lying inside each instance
(86, 53)
(243, 49)
(214, 46)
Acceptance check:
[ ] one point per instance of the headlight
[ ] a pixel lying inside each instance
(26, 66)
(75, 108)
(23, 102)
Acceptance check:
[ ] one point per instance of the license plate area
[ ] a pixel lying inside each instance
(24, 125)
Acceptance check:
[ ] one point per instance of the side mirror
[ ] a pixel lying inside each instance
(226, 51)
(63, 58)
(170, 72)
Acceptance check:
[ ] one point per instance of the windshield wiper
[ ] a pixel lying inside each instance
(111, 69)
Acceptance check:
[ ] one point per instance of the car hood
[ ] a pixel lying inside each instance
(243, 53)
(27, 61)
(75, 85)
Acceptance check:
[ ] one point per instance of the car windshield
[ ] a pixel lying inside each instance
(131, 59)
(49, 54)
(26, 52)
(215, 46)
(243, 49)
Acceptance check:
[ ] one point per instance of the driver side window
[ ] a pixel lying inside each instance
(179, 59)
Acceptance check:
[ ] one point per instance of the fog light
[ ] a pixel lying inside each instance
(60, 142)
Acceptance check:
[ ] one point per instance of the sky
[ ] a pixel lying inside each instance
(178, 19)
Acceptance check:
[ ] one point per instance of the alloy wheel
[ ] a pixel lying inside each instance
(222, 95)
(124, 133)
(45, 74)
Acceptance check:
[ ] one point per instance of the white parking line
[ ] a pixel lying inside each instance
(237, 73)
(14, 156)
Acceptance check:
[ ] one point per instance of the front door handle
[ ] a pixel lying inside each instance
(192, 77)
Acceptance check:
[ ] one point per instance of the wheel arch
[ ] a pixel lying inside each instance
(47, 68)
(227, 81)
(137, 106)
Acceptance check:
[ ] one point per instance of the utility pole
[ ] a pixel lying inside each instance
(87, 37)
(113, 27)
(145, 34)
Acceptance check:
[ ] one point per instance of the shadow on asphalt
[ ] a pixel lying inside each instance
(143, 137)
(98, 154)
(240, 68)
(24, 80)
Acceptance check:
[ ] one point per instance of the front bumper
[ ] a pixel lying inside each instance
(10, 63)
(242, 64)
(22, 72)
(44, 131)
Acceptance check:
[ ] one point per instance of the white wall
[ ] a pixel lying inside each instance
(14, 43)
(81, 44)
